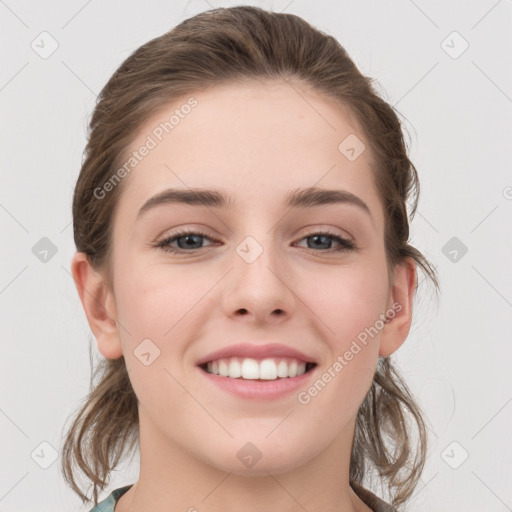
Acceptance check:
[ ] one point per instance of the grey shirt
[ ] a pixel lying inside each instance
(370, 499)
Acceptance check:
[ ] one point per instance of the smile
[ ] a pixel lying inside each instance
(258, 369)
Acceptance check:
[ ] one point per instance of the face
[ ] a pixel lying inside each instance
(258, 270)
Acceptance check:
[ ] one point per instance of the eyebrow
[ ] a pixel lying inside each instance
(298, 198)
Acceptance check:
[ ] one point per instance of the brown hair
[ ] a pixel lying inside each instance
(220, 46)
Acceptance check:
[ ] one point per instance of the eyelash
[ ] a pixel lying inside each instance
(346, 245)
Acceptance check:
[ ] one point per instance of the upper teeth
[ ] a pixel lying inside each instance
(248, 368)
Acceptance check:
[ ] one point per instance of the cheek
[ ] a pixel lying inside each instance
(156, 315)
(349, 306)
(153, 316)
(346, 300)
(152, 302)
(349, 303)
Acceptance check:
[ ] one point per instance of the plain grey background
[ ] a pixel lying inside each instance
(446, 68)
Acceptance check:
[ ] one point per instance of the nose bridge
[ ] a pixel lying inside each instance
(258, 283)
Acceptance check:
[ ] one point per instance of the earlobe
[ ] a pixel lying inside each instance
(399, 309)
(99, 305)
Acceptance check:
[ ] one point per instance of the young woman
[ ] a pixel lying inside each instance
(243, 261)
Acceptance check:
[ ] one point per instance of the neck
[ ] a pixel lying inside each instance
(172, 479)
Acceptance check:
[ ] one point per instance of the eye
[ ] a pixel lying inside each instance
(326, 237)
(188, 241)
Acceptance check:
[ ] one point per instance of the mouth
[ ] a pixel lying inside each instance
(268, 369)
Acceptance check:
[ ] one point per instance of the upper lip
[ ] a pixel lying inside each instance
(256, 351)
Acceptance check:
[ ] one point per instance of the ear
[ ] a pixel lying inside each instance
(399, 311)
(99, 305)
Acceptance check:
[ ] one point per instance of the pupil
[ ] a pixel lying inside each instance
(317, 238)
(189, 240)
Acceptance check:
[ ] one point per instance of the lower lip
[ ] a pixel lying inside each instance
(257, 389)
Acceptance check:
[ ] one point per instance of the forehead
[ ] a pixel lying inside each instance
(256, 139)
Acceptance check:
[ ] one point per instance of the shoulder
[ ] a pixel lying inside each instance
(370, 499)
(108, 504)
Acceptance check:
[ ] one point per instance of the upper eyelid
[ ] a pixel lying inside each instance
(191, 231)
(204, 232)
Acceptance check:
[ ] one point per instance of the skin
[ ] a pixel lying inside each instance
(256, 142)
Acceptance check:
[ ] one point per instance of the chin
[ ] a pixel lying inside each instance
(261, 458)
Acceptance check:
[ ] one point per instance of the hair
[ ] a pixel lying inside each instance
(226, 46)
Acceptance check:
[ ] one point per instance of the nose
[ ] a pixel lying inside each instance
(259, 288)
